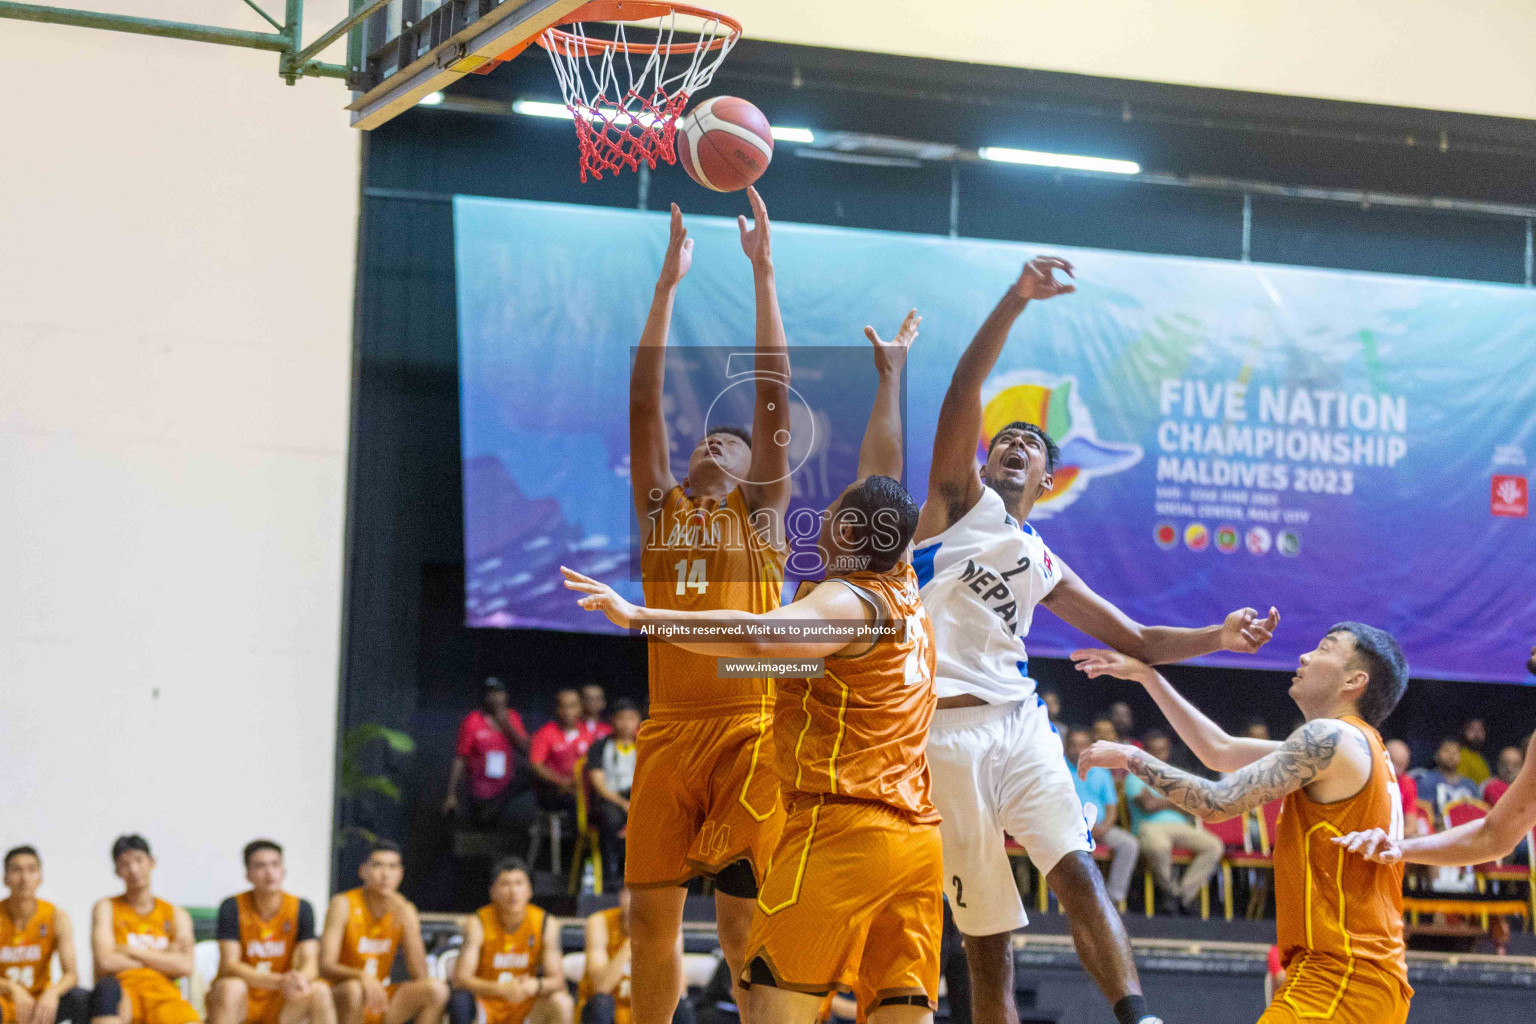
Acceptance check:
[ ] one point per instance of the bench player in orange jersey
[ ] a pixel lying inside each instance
(704, 801)
(509, 969)
(853, 891)
(269, 957)
(32, 931)
(1340, 918)
(364, 929)
(603, 996)
(140, 945)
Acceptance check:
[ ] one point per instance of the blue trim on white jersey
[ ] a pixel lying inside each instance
(922, 562)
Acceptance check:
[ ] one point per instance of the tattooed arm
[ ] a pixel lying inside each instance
(1326, 755)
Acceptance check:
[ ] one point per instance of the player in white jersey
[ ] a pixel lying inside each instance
(997, 762)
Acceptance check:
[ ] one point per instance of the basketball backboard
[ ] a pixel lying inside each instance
(410, 49)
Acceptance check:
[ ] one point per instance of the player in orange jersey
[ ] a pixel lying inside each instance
(1340, 919)
(140, 945)
(853, 892)
(704, 801)
(31, 932)
(603, 996)
(364, 929)
(509, 970)
(269, 958)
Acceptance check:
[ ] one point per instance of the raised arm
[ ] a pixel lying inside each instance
(881, 453)
(1489, 838)
(823, 604)
(1325, 753)
(650, 458)
(954, 485)
(1216, 748)
(1076, 603)
(768, 485)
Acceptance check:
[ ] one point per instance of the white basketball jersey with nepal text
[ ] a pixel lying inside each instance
(981, 579)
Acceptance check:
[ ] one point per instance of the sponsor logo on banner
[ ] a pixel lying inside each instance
(1509, 455)
(1258, 541)
(1226, 539)
(1511, 497)
(1196, 537)
(1051, 402)
(1166, 535)
(1288, 543)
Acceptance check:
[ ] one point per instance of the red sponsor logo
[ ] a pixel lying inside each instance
(1511, 496)
(1166, 535)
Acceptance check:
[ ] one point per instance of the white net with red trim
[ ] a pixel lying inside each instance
(627, 82)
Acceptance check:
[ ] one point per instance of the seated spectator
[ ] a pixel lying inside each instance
(1444, 782)
(594, 702)
(1511, 760)
(1104, 729)
(510, 969)
(1413, 820)
(611, 771)
(142, 947)
(1125, 723)
(488, 736)
(1160, 826)
(1256, 729)
(32, 932)
(1473, 765)
(1099, 789)
(554, 751)
(603, 997)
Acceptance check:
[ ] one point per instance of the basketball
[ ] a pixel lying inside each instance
(725, 143)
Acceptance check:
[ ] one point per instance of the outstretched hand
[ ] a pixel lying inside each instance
(891, 356)
(1094, 662)
(600, 597)
(1104, 754)
(1244, 632)
(1373, 844)
(756, 241)
(1038, 280)
(679, 252)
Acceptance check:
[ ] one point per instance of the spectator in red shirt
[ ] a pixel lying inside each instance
(555, 750)
(488, 738)
(1413, 819)
(594, 702)
(1511, 760)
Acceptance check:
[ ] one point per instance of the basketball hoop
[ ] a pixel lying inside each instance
(627, 68)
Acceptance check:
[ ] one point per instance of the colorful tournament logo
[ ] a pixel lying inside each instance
(1288, 543)
(1197, 537)
(1258, 541)
(1226, 539)
(1511, 497)
(1052, 404)
(1166, 535)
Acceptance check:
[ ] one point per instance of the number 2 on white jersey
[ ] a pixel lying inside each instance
(690, 575)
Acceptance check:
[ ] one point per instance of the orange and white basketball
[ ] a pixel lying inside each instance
(725, 143)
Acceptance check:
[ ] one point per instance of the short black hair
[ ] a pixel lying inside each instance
(623, 704)
(1052, 452)
(21, 851)
(383, 846)
(124, 844)
(506, 864)
(888, 518)
(255, 846)
(1447, 739)
(734, 431)
(1385, 667)
(493, 683)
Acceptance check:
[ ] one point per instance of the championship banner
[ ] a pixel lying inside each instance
(1340, 445)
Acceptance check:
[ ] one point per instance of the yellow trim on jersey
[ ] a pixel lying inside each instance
(1349, 961)
(842, 725)
(806, 711)
(805, 856)
(757, 746)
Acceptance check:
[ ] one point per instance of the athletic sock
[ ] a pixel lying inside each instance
(1133, 1010)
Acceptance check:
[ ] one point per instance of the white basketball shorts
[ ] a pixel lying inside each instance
(1000, 768)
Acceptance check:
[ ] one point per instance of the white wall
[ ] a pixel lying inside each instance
(1474, 57)
(177, 238)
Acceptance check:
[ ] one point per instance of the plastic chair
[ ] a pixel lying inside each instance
(587, 846)
(1236, 835)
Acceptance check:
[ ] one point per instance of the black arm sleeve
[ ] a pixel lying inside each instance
(306, 921)
(229, 921)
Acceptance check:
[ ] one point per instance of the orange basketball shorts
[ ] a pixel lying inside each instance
(502, 1011)
(1324, 988)
(158, 1000)
(853, 897)
(263, 1006)
(704, 797)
